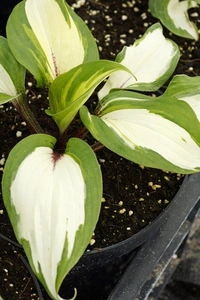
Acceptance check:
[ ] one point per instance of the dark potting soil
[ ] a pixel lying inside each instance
(133, 195)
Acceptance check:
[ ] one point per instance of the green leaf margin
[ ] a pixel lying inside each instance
(72, 89)
(163, 106)
(158, 10)
(14, 70)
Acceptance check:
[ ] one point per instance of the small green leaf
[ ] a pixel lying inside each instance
(151, 59)
(174, 15)
(161, 133)
(53, 201)
(187, 89)
(48, 38)
(71, 90)
(12, 74)
(183, 85)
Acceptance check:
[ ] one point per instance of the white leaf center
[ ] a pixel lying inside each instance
(139, 127)
(48, 194)
(60, 41)
(6, 85)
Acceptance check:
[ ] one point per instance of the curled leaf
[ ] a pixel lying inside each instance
(72, 89)
(151, 60)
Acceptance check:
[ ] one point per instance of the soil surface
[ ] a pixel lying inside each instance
(133, 195)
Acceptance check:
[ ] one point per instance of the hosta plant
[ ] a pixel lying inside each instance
(52, 186)
(174, 15)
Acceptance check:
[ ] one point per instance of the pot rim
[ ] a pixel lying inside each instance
(140, 237)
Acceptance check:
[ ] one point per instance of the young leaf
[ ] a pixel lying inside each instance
(48, 38)
(161, 133)
(173, 14)
(71, 90)
(53, 201)
(151, 59)
(12, 74)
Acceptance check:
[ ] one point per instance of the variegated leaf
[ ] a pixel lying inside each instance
(53, 201)
(48, 38)
(174, 15)
(12, 74)
(162, 133)
(71, 90)
(151, 59)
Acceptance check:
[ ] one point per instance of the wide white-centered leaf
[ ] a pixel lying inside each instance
(48, 38)
(174, 15)
(143, 129)
(151, 59)
(161, 132)
(53, 191)
(52, 204)
(52, 31)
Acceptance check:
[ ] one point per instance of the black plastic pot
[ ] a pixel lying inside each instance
(141, 278)
(120, 271)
